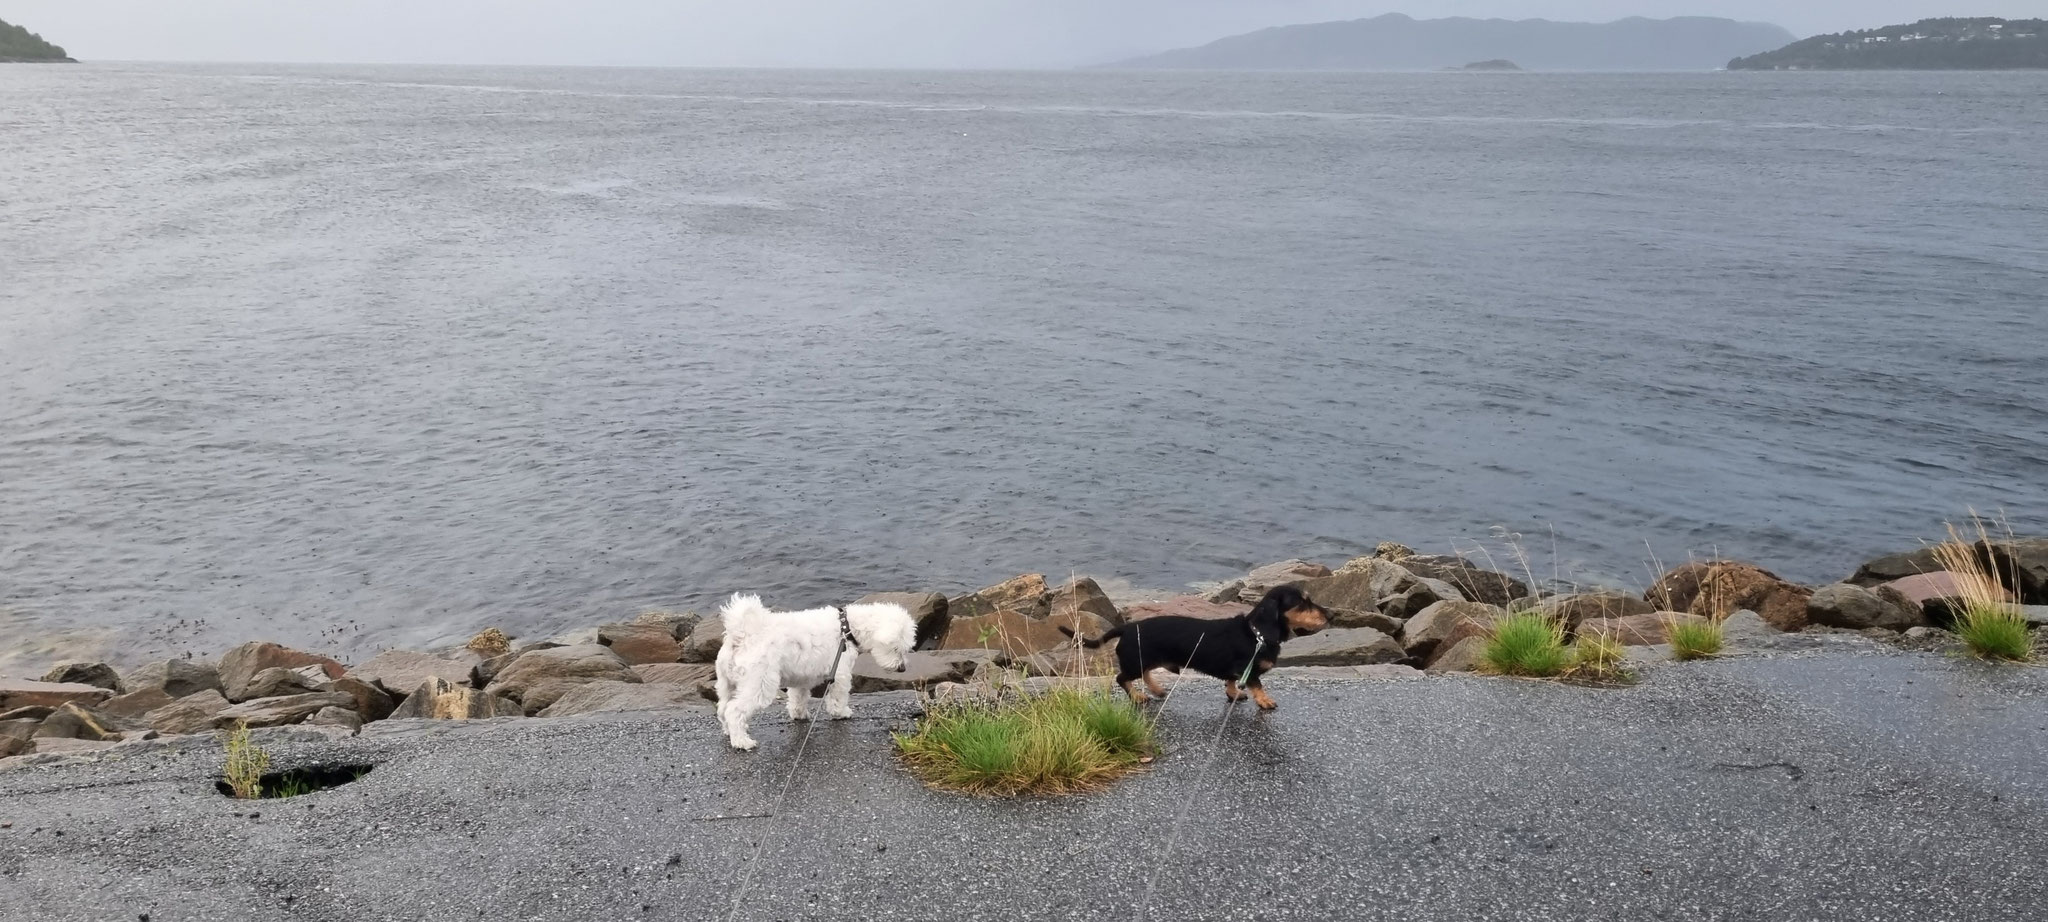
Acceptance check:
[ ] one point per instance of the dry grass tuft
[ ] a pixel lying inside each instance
(1990, 624)
(246, 763)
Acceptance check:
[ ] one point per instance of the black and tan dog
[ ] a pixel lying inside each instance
(1232, 649)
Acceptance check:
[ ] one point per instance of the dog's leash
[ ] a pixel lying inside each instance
(747, 880)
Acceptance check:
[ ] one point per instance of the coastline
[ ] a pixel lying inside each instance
(1394, 611)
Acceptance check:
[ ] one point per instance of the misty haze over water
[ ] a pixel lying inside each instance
(408, 351)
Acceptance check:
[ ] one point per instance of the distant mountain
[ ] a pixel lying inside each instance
(1397, 42)
(1930, 44)
(20, 45)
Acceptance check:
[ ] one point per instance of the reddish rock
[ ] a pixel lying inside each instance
(20, 693)
(1923, 588)
(177, 678)
(639, 643)
(240, 666)
(1718, 588)
(1571, 610)
(1186, 606)
(1017, 635)
(400, 671)
(1637, 630)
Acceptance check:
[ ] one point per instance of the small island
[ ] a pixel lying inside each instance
(20, 46)
(1930, 44)
(1499, 64)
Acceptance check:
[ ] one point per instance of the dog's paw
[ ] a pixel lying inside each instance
(839, 713)
(1268, 704)
(745, 745)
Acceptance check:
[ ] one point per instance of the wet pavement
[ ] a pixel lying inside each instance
(1852, 783)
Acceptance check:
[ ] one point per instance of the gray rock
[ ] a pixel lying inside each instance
(678, 623)
(372, 702)
(1571, 610)
(1287, 572)
(1464, 656)
(924, 670)
(1228, 592)
(60, 746)
(639, 643)
(177, 678)
(2036, 615)
(699, 677)
(704, 641)
(535, 679)
(1881, 570)
(336, 717)
(1849, 606)
(31, 712)
(19, 728)
(400, 671)
(276, 712)
(609, 696)
(74, 722)
(1082, 594)
(278, 681)
(1640, 630)
(1446, 623)
(1342, 647)
(19, 693)
(929, 609)
(1747, 628)
(240, 666)
(193, 713)
(136, 703)
(1385, 624)
(11, 746)
(1471, 581)
(1390, 588)
(439, 699)
(99, 675)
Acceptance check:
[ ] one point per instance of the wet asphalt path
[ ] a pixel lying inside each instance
(1852, 784)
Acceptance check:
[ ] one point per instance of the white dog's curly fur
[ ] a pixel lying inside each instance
(768, 650)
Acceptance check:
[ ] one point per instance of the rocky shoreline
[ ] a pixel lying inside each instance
(1393, 610)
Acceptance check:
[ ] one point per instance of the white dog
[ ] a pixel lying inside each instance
(796, 651)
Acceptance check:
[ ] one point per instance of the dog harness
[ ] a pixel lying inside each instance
(845, 640)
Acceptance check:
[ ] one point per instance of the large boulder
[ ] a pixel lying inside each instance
(929, 609)
(1467, 655)
(373, 702)
(1880, 570)
(609, 696)
(1185, 606)
(1638, 630)
(20, 693)
(1356, 646)
(1263, 580)
(1718, 588)
(2020, 563)
(16, 736)
(701, 678)
(175, 677)
(276, 712)
(1026, 595)
(439, 699)
(277, 682)
(400, 671)
(1018, 635)
(1084, 594)
(78, 723)
(1847, 605)
(704, 640)
(1444, 623)
(1473, 582)
(193, 713)
(923, 670)
(1747, 628)
(1374, 593)
(1572, 610)
(640, 642)
(136, 703)
(336, 717)
(99, 675)
(537, 678)
(241, 665)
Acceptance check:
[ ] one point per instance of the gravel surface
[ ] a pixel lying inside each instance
(1854, 783)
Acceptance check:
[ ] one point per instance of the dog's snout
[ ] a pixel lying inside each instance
(903, 667)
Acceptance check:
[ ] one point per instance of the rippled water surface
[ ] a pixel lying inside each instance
(355, 357)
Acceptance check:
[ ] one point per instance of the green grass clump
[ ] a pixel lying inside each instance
(1064, 741)
(1597, 656)
(1526, 644)
(246, 763)
(1995, 632)
(1692, 640)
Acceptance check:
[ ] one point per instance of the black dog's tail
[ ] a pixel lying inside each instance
(1107, 636)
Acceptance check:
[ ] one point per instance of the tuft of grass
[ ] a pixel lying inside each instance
(1989, 624)
(1692, 640)
(1064, 741)
(1597, 656)
(1526, 644)
(246, 763)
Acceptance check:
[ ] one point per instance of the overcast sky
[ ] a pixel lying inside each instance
(806, 33)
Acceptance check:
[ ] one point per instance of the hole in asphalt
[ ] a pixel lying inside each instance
(299, 781)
